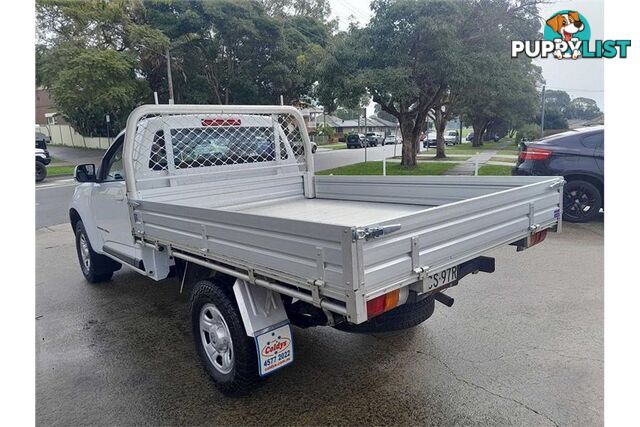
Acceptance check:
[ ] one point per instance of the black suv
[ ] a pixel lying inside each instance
(578, 155)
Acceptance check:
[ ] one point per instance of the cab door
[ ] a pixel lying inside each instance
(110, 206)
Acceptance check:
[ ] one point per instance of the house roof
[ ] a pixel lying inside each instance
(372, 121)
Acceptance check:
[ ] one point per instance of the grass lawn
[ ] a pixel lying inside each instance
(375, 168)
(509, 149)
(506, 143)
(60, 170)
(497, 170)
(503, 159)
(457, 158)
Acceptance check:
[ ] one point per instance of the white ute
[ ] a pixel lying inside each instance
(225, 199)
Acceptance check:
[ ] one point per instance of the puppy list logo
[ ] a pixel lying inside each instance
(567, 35)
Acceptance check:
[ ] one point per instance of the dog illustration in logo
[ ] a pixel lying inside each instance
(567, 25)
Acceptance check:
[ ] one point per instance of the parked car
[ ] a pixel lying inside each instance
(42, 140)
(42, 156)
(376, 138)
(451, 137)
(578, 155)
(392, 139)
(356, 140)
(262, 243)
(487, 137)
(429, 140)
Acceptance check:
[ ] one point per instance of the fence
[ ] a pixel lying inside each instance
(67, 136)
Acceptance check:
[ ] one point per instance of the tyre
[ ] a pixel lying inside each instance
(581, 201)
(95, 267)
(404, 317)
(226, 352)
(41, 171)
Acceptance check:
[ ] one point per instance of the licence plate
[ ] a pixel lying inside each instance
(442, 278)
(275, 349)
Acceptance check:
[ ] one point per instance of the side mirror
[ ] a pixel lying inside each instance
(85, 173)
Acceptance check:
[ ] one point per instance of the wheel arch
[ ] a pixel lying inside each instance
(74, 217)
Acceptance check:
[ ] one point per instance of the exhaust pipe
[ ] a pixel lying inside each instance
(444, 299)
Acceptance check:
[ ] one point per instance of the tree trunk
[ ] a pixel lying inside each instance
(409, 142)
(478, 129)
(440, 123)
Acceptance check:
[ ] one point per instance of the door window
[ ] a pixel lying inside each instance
(593, 141)
(114, 167)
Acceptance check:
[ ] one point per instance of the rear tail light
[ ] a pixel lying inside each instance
(530, 240)
(538, 237)
(383, 303)
(220, 122)
(534, 154)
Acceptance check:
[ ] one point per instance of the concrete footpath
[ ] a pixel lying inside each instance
(469, 167)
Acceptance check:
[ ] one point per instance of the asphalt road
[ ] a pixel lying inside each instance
(53, 195)
(521, 346)
(52, 201)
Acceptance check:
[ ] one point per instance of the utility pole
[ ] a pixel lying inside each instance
(542, 115)
(426, 136)
(108, 119)
(366, 141)
(460, 133)
(169, 79)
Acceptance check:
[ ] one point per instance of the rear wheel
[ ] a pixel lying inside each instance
(581, 201)
(404, 317)
(41, 171)
(226, 352)
(95, 267)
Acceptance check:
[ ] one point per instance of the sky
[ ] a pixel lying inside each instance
(579, 78)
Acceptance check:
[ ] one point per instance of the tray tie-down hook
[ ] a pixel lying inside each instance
(369, 233)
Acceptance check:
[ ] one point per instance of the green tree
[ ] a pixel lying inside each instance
(582, 108)
(557, 99)
(410, 54)
(348, 113)
(235, 52)
(503, 89)
(318, 10)
(326, 130)
(88, 83)
(443, 111)
(383, 114)
(400, 59)
(553, 119)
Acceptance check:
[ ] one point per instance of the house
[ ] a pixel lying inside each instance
(374, 124)
(46, 112)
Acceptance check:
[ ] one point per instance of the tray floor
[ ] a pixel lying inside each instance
(327, 211)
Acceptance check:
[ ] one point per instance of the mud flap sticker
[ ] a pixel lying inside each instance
(275, 349)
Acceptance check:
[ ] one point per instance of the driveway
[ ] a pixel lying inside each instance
(521, 346)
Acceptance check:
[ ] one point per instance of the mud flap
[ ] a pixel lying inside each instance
(265, 319)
